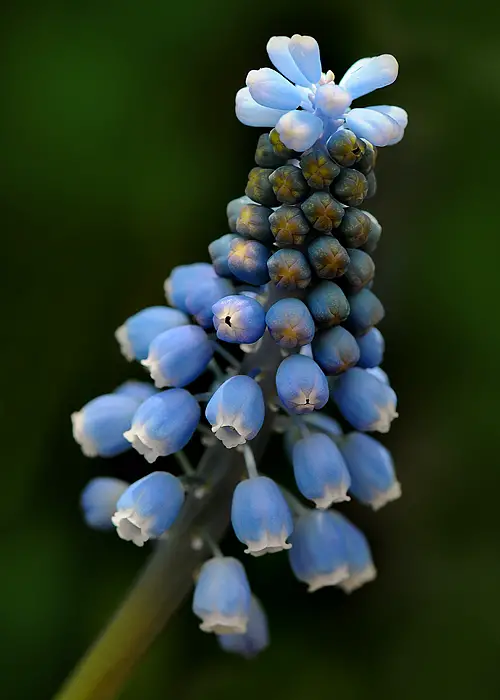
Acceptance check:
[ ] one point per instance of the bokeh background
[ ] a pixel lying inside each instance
(120, 150)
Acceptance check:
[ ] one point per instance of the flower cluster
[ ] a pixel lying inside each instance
(294, 273)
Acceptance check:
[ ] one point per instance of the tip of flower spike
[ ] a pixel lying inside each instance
(121, 335)
(87, 445)
(369, 573)
(384, 497)
(332, 579)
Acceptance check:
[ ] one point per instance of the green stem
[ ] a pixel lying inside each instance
(168, 576)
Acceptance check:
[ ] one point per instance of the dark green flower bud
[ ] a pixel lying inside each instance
(318, 168)
(279, 147)
(289, 269)
(253, 222)
(350, 187)
(360, 271)
(368, 160)
(327, 257)
(354, 228)
(288, 225)
(259, 188)
(328, 304)
(343, 146)
(371, 178)
(374, 234)
(266, 156)
(289, 184)
(323, 211)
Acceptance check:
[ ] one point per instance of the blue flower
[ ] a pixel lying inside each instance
(359, 557)
(247, 261)
(366, 311)
(290, 323)
(98, 501)
(239, 319)
(379, 373)
(138, 331)
(222, 597)
(370, 465)
(307, 104)
(148, 507)
(183, 279)
(328, 304)
(201, 299)
(318, 556)
(236, 411)
(301, 385)
(164, 424)
(365, 401)
(254, 640)
(320, 470)
(371, 348)
(260, 516)
(98, 427)
(178, 356)
(335, 350)
(233, 210)
(219, 252)
(139, 391)
(316, 422)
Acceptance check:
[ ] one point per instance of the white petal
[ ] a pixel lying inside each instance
(331, 495)
(224, 624)
(299, 130)
(305, 52)
(370, 74)
(369, 573)
(331, 579)
(251, 113)
(88, 446)
(278, 52)
(268, 544)
(270, 89)
(121, 335)
(378, 128)
(384, 497)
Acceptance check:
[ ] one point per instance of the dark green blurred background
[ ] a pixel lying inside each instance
(120, 150)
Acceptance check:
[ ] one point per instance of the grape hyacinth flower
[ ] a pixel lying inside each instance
(164, 424)
(365, 401)
(236, 411)
(148, 507)
(98, 501)
(318, 555)
(222, 597)
(239, 319)
(256, 637)
(283, 319)
(274, 99)
(137, 333)
(320, 471)
(260, 516)
(178, 356)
